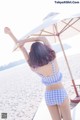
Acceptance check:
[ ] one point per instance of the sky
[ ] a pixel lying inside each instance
(21, 16)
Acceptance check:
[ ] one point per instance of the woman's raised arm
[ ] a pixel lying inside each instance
(9, 32)
(35, 39)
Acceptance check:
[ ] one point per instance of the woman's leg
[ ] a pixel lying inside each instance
(65, 110)
(54, 112)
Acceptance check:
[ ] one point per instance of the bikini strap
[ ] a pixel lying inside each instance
(53, 67)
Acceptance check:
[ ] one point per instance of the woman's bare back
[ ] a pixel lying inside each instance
(47, 70)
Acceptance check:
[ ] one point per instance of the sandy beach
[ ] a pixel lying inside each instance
(21, 90)
(20, 93)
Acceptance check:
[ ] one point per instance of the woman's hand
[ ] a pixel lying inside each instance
(7, 30)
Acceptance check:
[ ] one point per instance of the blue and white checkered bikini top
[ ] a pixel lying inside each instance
(56, 77)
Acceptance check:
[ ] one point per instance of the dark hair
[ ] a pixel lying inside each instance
(40, 55)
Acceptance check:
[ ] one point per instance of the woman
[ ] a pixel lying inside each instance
(42, 60)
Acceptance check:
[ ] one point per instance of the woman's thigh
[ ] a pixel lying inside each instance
(54, 112)
(65, 110)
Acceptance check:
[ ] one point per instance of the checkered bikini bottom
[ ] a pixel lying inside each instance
(55, 97)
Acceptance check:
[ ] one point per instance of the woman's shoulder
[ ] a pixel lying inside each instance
(53, 61)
